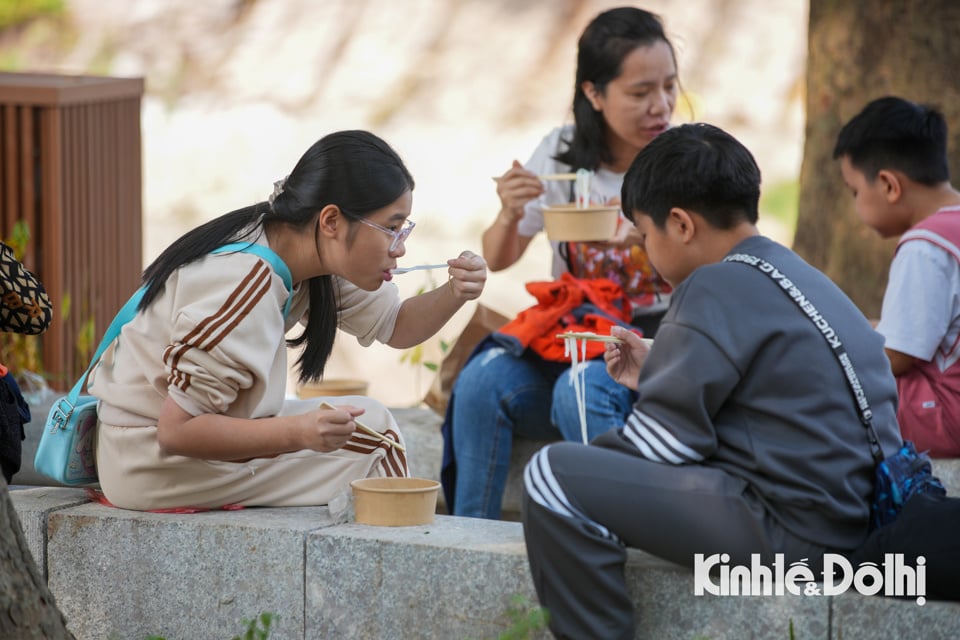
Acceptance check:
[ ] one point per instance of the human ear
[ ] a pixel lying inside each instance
(590, 91)
(891, 185)
(329, 220)
(682, 223)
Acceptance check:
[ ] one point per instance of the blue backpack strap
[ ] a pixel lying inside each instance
(275, 261)
(125, 315)
(129, 310)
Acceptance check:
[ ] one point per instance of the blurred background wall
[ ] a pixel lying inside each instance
(236, 90)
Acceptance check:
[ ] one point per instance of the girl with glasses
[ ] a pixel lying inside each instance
(192, 395)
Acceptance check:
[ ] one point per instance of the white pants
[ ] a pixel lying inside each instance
(134, 474)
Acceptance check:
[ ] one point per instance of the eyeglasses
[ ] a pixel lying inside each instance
(398, 236)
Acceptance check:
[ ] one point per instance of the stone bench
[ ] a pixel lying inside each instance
(125, 574)
(119, 573)
(421, 428)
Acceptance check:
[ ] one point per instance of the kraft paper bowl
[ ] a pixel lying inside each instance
(567, 223)
(394, 502)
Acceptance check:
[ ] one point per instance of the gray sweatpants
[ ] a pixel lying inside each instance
(603, 500)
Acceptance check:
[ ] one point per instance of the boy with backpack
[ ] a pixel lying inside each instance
(893, 157)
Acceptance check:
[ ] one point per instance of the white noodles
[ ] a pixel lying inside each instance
(581, 188)
(578, 376)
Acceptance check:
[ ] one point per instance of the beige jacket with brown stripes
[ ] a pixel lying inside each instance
(214, 341)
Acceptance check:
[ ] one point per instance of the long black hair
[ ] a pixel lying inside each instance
(355, 170)
(603, 45)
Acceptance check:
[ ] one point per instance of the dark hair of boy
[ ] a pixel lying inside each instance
(894, 133)
(696, 167)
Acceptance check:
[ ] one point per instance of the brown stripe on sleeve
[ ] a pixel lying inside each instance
(191, 339)
(241, 300)
(251, 301)
(255, 273)
(254, 286)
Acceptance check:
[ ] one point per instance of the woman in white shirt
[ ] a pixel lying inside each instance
(626, 89)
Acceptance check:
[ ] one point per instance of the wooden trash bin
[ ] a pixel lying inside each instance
(70, 167)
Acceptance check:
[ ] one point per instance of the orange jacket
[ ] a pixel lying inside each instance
(567, 304)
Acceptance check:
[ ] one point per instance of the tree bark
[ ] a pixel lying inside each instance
(27, 608)
(860, 50)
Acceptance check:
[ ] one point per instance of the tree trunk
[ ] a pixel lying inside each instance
(860, 50)
(27, 608)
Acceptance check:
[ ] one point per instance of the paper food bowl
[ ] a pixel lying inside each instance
(567, 223)
(394, 502)
(333, 387)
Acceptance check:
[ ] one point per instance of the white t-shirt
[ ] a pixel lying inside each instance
(603, 186)
(923, 276)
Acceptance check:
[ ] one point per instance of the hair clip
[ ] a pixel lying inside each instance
(277, 190)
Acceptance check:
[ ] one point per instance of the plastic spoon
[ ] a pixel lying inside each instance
(419, 267)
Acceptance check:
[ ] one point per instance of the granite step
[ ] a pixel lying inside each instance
(125, 574)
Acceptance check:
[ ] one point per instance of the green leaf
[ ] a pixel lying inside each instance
(13, 13)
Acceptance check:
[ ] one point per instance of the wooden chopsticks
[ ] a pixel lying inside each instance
(549, 176)
(586, 335)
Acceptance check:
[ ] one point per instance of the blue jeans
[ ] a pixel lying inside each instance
(498, 396)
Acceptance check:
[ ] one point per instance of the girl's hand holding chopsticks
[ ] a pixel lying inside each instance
(327, 429)
(352, 412)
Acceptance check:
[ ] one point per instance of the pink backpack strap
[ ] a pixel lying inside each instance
(941, 229)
